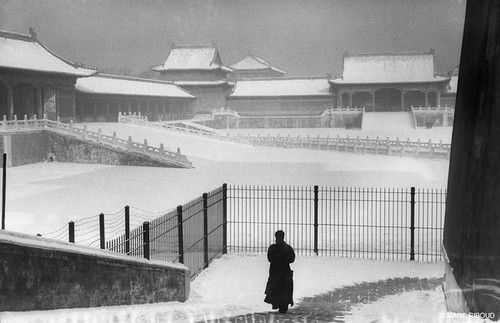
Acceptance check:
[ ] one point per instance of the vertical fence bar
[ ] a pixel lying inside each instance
(224, 218)
(205, 230)
(145, 239)
(316, 193)
(71, 233)
(4, 186)
(127, 229)
(412, 224)
(180, 234)
(101, 231)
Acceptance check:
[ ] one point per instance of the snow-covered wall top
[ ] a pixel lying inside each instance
(26, 240)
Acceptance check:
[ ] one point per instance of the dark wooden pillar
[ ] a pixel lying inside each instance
(39, 101)
(472, 223)
(95, 117)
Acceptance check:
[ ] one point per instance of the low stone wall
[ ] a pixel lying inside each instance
(24, 148)
(72, 150)
(433, 117)
(30, 147)
(41, 274)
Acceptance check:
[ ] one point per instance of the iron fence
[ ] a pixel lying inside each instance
(376, 223)
(192, 234)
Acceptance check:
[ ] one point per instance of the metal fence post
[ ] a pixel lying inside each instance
(4, 187)
(180, 234)
(224, 218)
(71, 229)
(145, 239)
(127, 229)
(205, 229)
(412, 223)
(316, 193)
(101, 231)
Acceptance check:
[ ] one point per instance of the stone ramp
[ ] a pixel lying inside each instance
(335, 305)
(396, 121)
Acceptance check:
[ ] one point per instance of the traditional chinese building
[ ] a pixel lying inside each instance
(389, 82)
(281, 96)
(198, 69)
(252, 66)
(35, 80)
(102, 97)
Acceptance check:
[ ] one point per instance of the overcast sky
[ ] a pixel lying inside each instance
(302, 37)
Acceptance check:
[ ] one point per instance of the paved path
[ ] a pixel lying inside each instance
(334, 305)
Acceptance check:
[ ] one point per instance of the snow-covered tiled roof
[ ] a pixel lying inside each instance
(24, 52)
(252, 62)
(281, 87)
(120, 85)
(192, 57)
(202, 83)
(415, 67)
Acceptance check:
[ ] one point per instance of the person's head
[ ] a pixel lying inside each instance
(280, 236)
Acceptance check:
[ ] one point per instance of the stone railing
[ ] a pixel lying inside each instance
(225, 111)
(428, 117)
(180, 126)
(357, 145)
(159, 153)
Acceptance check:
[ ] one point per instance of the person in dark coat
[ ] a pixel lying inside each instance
(279, 288)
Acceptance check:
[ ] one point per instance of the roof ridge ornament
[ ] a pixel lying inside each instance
(32, 33)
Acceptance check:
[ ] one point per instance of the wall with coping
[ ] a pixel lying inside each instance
(30, 147)
(73, 150)
(40, 274)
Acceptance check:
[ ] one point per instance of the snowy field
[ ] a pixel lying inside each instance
(44, 197)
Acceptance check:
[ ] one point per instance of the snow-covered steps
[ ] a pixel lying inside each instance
(126, 151)
(388, 120)
(182, 126)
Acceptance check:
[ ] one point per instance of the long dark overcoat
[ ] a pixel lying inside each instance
(279, 288)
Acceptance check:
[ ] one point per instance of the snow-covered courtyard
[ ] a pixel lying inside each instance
(44, 197)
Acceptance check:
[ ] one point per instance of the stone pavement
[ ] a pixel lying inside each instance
(334, 305)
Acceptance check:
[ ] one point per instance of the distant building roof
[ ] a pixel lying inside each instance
(281, 87)
(192, 57)
(25, 52)
(412, 67)
(122, 85)
(252, 62)
(202, 83)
